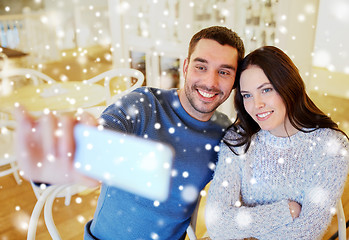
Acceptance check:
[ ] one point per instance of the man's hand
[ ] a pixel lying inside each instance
(295, 209)
(45, 147)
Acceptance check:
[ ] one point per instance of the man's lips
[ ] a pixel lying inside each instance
(206, 94)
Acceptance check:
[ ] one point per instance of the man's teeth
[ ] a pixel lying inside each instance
(205, 94)
(263, 115)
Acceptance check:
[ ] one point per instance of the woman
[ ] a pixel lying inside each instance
(283, 163)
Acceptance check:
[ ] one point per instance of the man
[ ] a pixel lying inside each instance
(186, 119)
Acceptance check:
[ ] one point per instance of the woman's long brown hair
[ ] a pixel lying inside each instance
(282, 73)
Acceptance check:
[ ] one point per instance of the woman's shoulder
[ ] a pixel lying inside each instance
(233, 133)
(233, 138)
(326, 135)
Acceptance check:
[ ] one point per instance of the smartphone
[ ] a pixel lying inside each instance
(132, 163)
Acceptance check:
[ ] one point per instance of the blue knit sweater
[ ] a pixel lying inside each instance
(249, 194)
(157, 114)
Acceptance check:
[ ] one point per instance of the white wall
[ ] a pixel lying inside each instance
(330, 72)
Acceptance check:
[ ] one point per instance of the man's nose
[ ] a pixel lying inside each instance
(212, 80)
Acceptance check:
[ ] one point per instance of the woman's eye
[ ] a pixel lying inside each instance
(265, 90)
(246, 95)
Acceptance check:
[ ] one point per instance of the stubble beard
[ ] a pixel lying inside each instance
(200, 107)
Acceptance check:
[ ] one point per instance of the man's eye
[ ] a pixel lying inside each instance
(223, 72)
(200, 68)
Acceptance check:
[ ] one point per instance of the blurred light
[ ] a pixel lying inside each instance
(44, 19)
(283, 29)
(321, 58)
(346, 70)
(331, 68)
(225, 12)
(340, 10)
(310, 9)
(301, 18)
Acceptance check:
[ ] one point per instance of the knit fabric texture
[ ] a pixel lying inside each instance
(158, 115)
(249, 195)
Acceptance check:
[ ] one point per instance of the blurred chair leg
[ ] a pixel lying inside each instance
(15, 173)
(341, 221)
(48, 212)
(33, 222)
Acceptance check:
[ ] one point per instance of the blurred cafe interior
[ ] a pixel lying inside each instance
(66, 41)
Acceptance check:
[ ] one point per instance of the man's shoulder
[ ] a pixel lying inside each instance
(152, 93)
(221, 119)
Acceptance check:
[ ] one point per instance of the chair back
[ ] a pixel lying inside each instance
(18, 76)
(126, 73)
(8, 164)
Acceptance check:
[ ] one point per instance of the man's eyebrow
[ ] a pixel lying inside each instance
(228, 66)
(202, 60)
(199, 59)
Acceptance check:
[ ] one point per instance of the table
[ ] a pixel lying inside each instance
(60, 96)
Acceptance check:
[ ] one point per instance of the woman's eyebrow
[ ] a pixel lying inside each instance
(261, 86)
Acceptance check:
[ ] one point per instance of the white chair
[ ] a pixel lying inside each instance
(127, 74)
(342, 231)
(45, 201)
(192, 226)
(10, 77)
(7, 156)
(67, 193)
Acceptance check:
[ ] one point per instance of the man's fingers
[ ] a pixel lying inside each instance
(88, 119)
(26, 141)
(65, 140)
(48, 129)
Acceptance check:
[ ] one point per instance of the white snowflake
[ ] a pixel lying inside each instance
(189, 193)
(318, 195)
(243, 219)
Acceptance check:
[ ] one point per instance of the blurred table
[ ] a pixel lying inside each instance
(60, 97)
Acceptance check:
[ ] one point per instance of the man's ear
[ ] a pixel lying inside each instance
(185, 66)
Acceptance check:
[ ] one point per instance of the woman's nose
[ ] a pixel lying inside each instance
(258, 102)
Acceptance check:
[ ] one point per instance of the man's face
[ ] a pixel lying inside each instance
(210, 76)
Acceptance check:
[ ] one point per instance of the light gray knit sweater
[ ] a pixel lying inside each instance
(249, 194)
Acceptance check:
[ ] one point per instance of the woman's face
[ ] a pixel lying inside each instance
(263, 103)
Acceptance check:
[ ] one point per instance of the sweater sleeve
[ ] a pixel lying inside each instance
(129, 114)
(225, 217)
(325, 187)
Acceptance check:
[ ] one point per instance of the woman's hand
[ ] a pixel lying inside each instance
(45, 147)
(295, 209)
